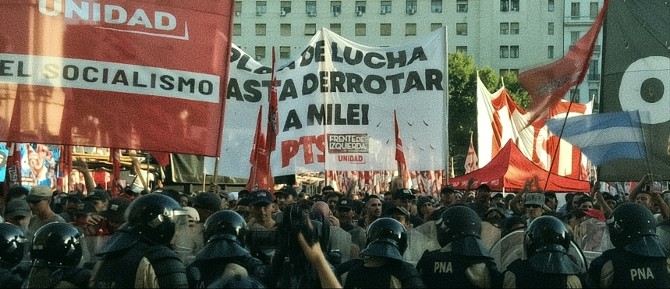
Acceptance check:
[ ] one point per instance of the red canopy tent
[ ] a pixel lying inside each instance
(509, 170)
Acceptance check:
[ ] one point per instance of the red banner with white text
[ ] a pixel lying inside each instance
(115, 73)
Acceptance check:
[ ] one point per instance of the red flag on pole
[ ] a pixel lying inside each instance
(260, 176)
(400, 155)
(273, 121)
(471, 160)
(548, 84)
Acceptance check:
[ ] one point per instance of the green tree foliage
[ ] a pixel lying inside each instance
(463, 102)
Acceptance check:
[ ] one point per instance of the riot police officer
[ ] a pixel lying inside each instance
(547, 263)
(224, 233)
(638, 259)
(382, 265)
(139, 254)
(462, 262)
(12, 244)
(56, 253)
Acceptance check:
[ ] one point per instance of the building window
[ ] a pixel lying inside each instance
(574, 37)
(260, 52)
(310, 29)
(594, 71)
(310, 8)
(574, 10)
(385, 29)
(504, 51)
(284, 52)
(285, 29)
(509, 5)
(238, 8)
(237, 29)
(410, 29)
(514, 28)
(385, 7)
(410, 6)
(550, 52)
(593, 94)
(550, 5)
(261, 7)
(514, 51)
(574, 94)
(550, 28)
(462, 6)
(260, 30)
(336, 27)
(436, 6)
(435, 26)
(514, 5)
(336, 7)
(508, 71)
(285, 7)
(360, 8)
(462, 49)
(504, 28)
(593, 10)
(360, 29)
(504, 5)
(461, 28)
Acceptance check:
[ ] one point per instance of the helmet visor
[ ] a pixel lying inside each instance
(182, 243)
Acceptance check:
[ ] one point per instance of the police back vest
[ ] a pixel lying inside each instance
(140, 266)
(527, 277)
(632, 271)
(447, 270)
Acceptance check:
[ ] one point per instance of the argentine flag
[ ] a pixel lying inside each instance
(603, 137)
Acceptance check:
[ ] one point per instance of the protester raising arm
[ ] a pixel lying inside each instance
(315, 256)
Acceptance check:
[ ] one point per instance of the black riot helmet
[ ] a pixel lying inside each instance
(546, 234)
(458, 222)
(632, 227)
(154, 217)
(12, 245)
(225, 235)
(226, 224)
(386, 237)
(56, 245)
(549, 248)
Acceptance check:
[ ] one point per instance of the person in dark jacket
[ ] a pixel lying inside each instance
(12, 246)
(382, 265)
(548, 264)
(225, 232)
(462, 262)
(638, 259)
(56, 253)
(139, 255)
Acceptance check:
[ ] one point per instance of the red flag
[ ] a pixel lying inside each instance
(548, 84)
(260, 175)
(400, 155)
(147, 69)
(273, 121)
(471, 160)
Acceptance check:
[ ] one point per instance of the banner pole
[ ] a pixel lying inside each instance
(560, 136)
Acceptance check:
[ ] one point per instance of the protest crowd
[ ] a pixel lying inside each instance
(163, 238)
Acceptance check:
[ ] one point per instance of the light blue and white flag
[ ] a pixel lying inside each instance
(605, 136)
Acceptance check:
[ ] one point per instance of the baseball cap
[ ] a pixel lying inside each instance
(38, 193)
(261, 197)
(396, 209)
(344, 203)
(16, 208)
(402, 194)
(98, 195)
(534, 199)
(287, 190)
